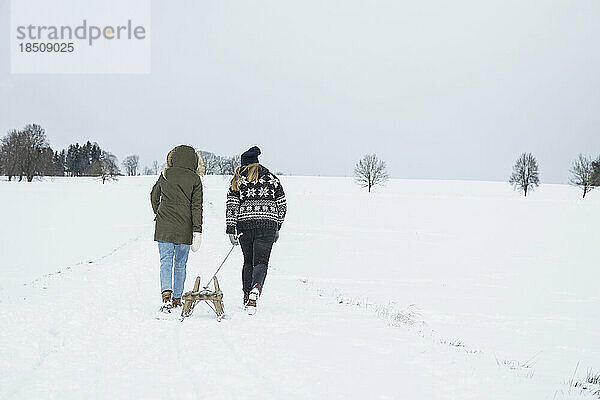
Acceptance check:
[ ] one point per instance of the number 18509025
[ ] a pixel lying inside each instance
(46, 47)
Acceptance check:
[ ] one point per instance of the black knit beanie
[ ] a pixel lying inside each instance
(250, 156)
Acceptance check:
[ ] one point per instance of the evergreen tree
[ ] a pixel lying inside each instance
(95, 153)
(84, 158)
(58, 161)
(72, 159)
(596, 172)
(78, 158)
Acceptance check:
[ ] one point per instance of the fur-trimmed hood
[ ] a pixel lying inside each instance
(184, 156)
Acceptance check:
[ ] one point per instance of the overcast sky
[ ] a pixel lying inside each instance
(438, 89)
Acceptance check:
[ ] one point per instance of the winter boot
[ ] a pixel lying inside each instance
(166, 298)
(246, 298)
(176, 302)
(252, 298)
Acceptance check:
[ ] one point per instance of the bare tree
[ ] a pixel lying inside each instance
(10, 146)
(106, 167)
(131, 165)
(219, 165)
(370, 171)
(211, 163)
(228, 165)
(32, 152)
(155, 167)
(525, 176)
(222, 167)
(26, 153)
(582, 173)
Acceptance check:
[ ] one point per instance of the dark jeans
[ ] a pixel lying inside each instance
(256, 246)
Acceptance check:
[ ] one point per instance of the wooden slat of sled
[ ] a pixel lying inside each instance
(215, 297)
(218, 300)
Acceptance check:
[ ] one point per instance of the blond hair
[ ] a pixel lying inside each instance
(252, 175)
(200, 169)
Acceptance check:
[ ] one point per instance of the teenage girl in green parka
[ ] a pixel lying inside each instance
(177, 204)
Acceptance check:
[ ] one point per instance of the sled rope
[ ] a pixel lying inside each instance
(209, 306)
(223, 263)
(206, 295)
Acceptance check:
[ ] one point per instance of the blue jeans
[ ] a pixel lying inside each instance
(176, 255)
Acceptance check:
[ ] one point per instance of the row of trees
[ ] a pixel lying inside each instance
(585, 173)
(219, 165)
(154, 169)
(76, 160)
(91, 160)
(370, 171)
(26, 153)
(213, 164)
(131, 165)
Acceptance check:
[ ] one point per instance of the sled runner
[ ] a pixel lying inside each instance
(191, 299)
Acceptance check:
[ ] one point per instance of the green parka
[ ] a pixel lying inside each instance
(177, 197)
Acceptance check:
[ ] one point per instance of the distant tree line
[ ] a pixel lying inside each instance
(370, 171)
(219, 165)
(26, 153)
(76, 160)
(584, 173)
(213, 164)
(131, 165)
(154, 169)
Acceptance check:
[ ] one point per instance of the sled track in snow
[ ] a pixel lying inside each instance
(93, 261)
(394, 315)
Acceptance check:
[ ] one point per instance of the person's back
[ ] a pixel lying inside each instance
(261, 201)
(177, 198)
(255, 211)
(177, 204)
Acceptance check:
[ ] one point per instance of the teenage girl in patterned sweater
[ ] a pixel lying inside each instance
(256, 209)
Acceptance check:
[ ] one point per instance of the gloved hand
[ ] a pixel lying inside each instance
(196, 241)
(233, 239)
(276, 236)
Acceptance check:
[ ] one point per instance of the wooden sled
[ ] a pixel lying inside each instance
(191, 299)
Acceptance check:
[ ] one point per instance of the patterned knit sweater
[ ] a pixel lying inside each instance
(256, 205)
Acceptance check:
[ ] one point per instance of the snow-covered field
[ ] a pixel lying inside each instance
(422, 290)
